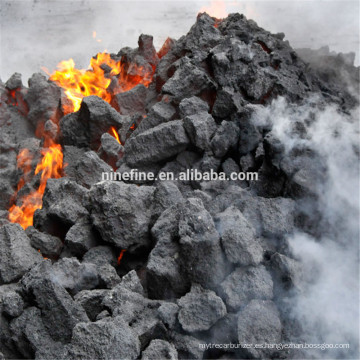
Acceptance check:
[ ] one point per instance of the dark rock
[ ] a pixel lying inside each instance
(101, 255)
(132, 101)
(166, 195)
(108, 276)
(271, 217)
(207, 164)
(223, 332)
(200, 128)
(159, 349)
(188, 347)
(64, 201)
(147, 49)
(226, 103)
(104, 314)
(74, 132)
(164, 276)
(259, 323)
(246, 284)
(192, 106)
(259, 153)
(160, 113)
(49, 246)
(104, 339)
(270, 182)
(111, 151)
(16, 256)
(43, 99)
(274, 148)
(75, 276)
(84, 128)
(165, 279)
(51, 129)
(247, 162)
(156, 144)
(287, 271)
(168, 314)
(250, 135)
(12, 304)
(226, 136)
(238, 238)
(143, 174)
(31, 337)
(7, 346)
(121, 213)
(277, 216)
(187, 81)
(81, 237)
(232, 170)
(131, 282)
(50, 295)
(72, 155)
(91, 301)
(138, 311)
(201, 256)
(89, 170)
(200, 309)
(14, 82)
(203, 35)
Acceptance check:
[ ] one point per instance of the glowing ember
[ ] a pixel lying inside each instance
(114, 133)
(120, 256)
(216, 9)
(50, 166)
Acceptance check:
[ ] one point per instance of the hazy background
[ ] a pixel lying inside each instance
(36, 33)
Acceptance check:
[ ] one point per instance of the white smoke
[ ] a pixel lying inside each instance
(328, 308)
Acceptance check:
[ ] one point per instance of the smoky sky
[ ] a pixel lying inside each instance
(37, 34)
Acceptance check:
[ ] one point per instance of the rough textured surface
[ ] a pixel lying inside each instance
(104, 339)
(238, 238)
(156, 144)
(245, 284)
(259, 322)
(159, 349)
(121, 213)
(17, 256)
(200, 309)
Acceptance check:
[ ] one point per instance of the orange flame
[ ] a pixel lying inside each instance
(120, 256)
(216, 9)
(115, 134)
(80, 83)
(50, 166)
(77, 84)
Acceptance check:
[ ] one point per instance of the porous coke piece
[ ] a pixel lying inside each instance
(156, 144)
(16, 256)
(200, 309)
(245, 284)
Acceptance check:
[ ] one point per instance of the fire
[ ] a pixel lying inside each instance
(79, 83)
(216, 9)
(50, 166)
(120, 256)
(114, 133)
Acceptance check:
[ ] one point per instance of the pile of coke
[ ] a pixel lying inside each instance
(158, 269)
